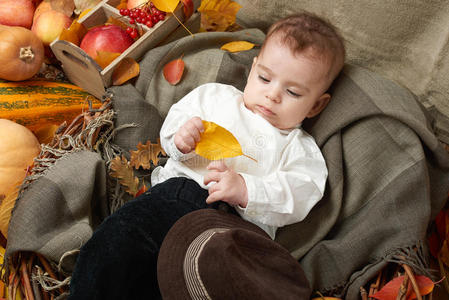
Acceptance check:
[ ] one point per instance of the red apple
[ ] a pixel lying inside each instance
(109, 38)
(16, 13)
(133, 3)
(49, 25)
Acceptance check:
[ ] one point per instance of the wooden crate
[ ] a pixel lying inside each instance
(83, 71)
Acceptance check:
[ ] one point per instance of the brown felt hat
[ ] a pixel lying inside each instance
(212, 254)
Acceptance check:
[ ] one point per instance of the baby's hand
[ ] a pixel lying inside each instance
(230, 186)
(188, 135)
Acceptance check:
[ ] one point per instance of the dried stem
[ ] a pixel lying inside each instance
(402, 293)
(415, 286)
(363, 293)
(26, 280)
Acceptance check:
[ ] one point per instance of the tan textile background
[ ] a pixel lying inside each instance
(406, 41)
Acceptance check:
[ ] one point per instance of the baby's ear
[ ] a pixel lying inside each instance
(319, 105)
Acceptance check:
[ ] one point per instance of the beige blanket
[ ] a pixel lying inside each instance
(406, 41)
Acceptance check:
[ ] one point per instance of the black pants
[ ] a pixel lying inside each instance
(119, 260)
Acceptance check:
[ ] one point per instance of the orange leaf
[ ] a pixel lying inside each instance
(128, 68)
(187, 8)
(122, 4)
(69, 36)
(142, 190)
(173, 71)
(391, 289)
(104, 58)
(116, 21)
(74, 33)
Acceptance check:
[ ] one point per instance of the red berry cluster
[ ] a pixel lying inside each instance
(148, 15)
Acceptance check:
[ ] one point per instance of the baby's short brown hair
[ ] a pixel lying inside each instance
(305, 31)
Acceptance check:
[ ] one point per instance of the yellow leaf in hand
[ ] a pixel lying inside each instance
(166, 5)
(237, 46)
(217, 143)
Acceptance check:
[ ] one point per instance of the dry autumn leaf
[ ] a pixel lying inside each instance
(64, 6)
(116, 21)
(104, 58)
(82, 5)
(126, 70)
(122, 170)
(237, 46)
(145, 154)
(122, 5)
(74, 33)
(166, 5)
(187, 8)
(217, 15)
(216, 143)
(391, 289)
(173, 71)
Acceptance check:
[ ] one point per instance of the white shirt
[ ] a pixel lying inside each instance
(284, 184)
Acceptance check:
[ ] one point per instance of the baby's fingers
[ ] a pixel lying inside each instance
(212, 176)
(214, 197)
(217, 165)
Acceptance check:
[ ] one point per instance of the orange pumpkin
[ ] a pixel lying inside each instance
(22, 53)
(18, 148)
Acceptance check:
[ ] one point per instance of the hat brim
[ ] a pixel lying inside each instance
(174, 247)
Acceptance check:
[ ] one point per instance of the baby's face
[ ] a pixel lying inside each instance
(284, 88)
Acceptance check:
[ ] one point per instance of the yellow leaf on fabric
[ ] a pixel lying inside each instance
(127, 69)
(145, 154)
(166, 5)
(237, 46)
(104, 58)
(216, 143)
(218, 15)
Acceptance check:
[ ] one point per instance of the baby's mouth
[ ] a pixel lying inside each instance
(264, 111)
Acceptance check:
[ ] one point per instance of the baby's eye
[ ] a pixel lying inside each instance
(293, 94)
(263, 79)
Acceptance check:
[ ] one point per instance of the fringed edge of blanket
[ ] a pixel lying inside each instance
(414, 258)
(92, 130)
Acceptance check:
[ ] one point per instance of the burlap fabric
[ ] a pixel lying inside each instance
(388, 173)
(404, 41)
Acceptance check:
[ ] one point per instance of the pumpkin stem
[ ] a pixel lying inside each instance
(26, 54)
